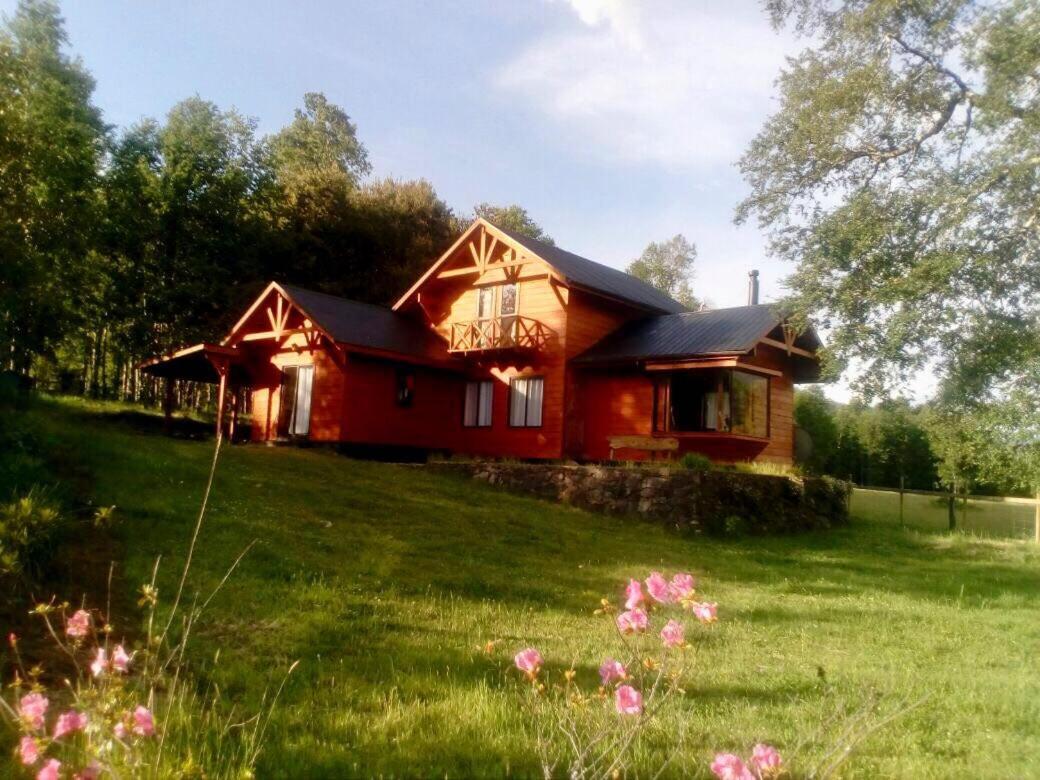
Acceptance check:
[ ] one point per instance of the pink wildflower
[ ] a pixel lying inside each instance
(120, 660)
(69, 722)
(120, 730)
(91, 771)
(33, 708)
(727, 766)
(50, 770)
(611, 670)
(766, 759)
(632, 621)
(100, 662)
(657, 587)
(705, 612)
(144, 724)
(682, 586)
(628, 701)
(528, 661)
(672, 634)
(633, 594)
(28, 750)
(79, 624)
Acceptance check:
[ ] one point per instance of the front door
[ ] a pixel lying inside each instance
(294, 415)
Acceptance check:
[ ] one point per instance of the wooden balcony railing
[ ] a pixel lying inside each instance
(510, 332)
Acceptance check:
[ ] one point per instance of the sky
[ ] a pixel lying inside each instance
(613, 122)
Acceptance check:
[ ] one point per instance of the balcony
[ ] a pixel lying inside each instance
(499, 333)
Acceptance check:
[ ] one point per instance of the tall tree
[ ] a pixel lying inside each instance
(513, 218)
(51, 138)
(668, 266)
(901, 172)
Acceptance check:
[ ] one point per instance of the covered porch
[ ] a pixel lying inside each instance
(214, 364)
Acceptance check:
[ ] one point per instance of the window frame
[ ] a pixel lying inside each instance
(407, 374)
(479, 383)
(527, 400)
(663, 421)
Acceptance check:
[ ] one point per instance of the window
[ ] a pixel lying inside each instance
(724, 400)
(507, 312)
(294, 405)
(405, 380)
(525, 402)
(477, 411)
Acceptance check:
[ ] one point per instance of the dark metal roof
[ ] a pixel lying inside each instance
(598, 277)
(690, 334)
(368, 325)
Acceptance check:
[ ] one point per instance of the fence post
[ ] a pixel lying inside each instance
(901, 488)
(1036, 519)
(952, 507)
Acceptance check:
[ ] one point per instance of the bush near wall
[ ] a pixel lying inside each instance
(689, 500)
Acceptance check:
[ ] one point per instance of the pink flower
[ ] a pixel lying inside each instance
(672, 634)
(68, 722)
(120, 660)
(144, 724)
(28, 751)
(50, 770)
(528, 661)
(33, 708)
(120, 730)
(657, 587)
(727, 766)
(79, 624)
(632, 621)
(611, 670)
(766, 759)
(705, 612)
(682, 586)
(91, 771)
(633, 594)
(100, 662)
(628, 701)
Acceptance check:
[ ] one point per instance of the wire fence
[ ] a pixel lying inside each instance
(991, 516)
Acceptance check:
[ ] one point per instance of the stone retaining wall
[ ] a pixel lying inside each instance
(692, 501)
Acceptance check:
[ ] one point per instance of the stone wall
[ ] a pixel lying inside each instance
(693, 501)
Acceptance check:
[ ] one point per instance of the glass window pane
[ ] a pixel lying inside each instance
(507, 303)
(469, 415)
(302, 419)
(517, 402)
(485, 302)
(534, 401)
(750, 404)
(487, 390)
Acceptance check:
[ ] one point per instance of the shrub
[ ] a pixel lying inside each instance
(694, 461)
(29, 527)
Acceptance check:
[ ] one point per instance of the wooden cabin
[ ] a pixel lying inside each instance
(511, 347)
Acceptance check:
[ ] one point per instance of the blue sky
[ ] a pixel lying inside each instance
(614, 122)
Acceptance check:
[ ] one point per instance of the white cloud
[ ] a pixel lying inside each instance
(672, 82)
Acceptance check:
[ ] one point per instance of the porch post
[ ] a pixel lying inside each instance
(234, 414)
(168, 406)
(222, 370)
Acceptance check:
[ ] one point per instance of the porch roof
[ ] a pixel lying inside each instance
(197, 363)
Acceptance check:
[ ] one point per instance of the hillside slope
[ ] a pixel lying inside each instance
(387, 582)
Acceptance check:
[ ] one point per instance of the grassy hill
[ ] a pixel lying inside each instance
(387, 582)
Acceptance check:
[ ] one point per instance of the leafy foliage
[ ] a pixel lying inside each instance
(900, 173)
(668, 266)
(513, 218)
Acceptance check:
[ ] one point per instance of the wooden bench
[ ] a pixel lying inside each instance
(650, 444)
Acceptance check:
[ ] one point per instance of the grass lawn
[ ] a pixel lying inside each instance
(386, 582)
(991, 519)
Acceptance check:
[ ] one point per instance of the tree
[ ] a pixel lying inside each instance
(900, 174)
(512, 218)
(668, 266)
(814, 416)
(51, 138)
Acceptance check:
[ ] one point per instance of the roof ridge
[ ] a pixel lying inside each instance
(337, 297)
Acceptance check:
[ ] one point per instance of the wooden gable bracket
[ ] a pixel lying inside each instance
(279, 317)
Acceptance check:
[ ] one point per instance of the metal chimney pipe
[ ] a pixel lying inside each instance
(752, 288)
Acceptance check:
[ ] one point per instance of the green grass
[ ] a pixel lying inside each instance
(992, 519)
(385, 581)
